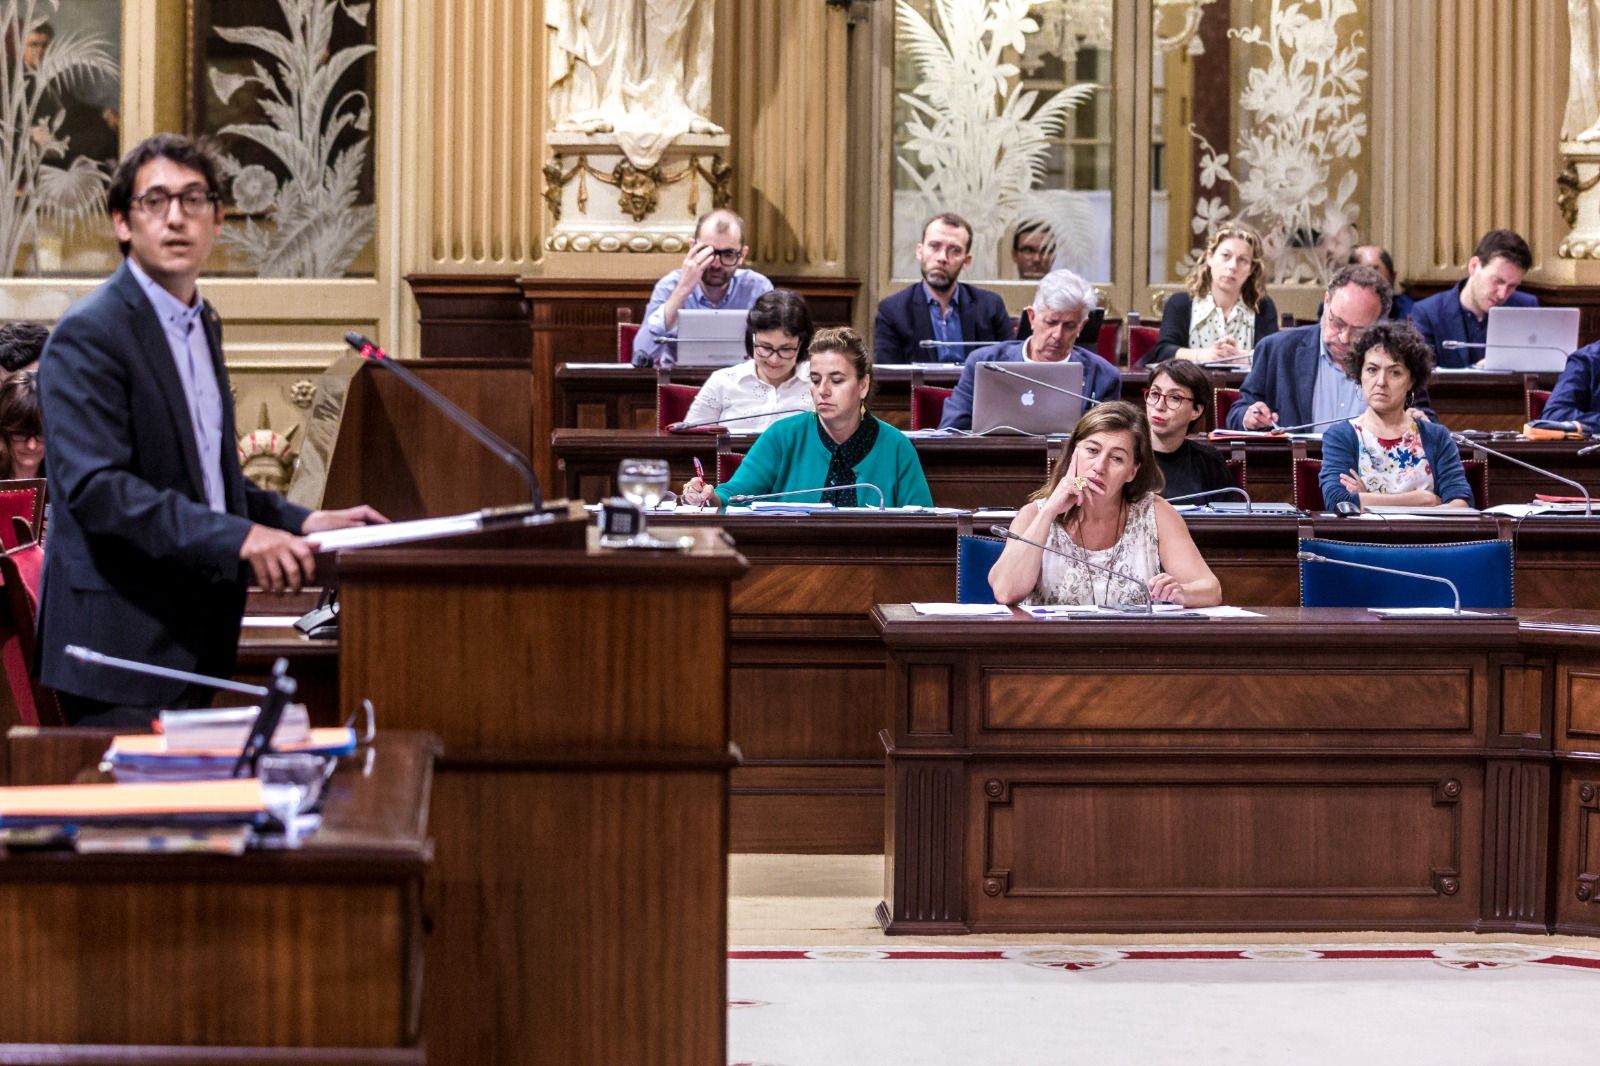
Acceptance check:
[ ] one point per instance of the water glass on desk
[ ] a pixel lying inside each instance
(643, 482)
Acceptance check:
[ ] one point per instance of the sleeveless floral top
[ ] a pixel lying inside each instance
(1137, 554)
(1385, 465)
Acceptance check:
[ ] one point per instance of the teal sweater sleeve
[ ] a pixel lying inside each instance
(767, 464)
(789, 456)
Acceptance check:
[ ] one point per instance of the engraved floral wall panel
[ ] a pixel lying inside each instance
(60, 95)
(1003, 114)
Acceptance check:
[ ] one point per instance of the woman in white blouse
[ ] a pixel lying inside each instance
(1225, 311)
(773, 382)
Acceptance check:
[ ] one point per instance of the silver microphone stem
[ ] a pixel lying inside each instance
(956, 344)
(1515, 347)
(1466, 442)
(749, 497)
(1589, 449)
(1309, 557)
(1310, 425)
(88, 655)
(1006, 534)
(675, 427)
(1231, 490)
(1001, 368)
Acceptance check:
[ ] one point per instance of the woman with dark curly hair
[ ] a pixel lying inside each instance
(1383, 455)
(21, 427)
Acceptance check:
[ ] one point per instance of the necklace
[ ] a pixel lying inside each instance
(1082, 555)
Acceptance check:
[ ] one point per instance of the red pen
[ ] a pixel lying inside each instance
(699, 471)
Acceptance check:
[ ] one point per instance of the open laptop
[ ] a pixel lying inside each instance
(1005, 403)
(711, 338)
(1530, 339)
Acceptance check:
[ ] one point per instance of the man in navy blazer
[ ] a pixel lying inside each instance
(1461, 312)
(1061, 306)
(1297, 376)
(154, 532)
(939, 309)
(1576, 396)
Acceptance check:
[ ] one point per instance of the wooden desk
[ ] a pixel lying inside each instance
(1303, 770)
(806, 668)
(311, 955)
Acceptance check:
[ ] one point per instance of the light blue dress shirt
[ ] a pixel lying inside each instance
(191, 353)
(655, 345)
(1334, 395)
(946, 327)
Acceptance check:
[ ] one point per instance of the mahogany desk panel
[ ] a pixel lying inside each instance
(312, 955)
(1317, 769)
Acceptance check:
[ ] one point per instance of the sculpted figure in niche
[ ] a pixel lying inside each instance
(1582, 119)
(640, 69)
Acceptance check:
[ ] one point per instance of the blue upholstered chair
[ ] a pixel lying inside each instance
(1480, 569)
(975, 557)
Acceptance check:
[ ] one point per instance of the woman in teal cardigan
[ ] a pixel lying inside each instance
(840, 444)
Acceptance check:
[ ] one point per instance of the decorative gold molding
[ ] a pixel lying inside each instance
(637, 188)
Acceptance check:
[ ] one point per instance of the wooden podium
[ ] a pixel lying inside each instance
(580, 809)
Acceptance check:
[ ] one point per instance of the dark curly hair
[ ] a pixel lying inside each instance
(1404, 345)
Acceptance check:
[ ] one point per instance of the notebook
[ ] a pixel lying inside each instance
(1002, 402)
(711, 338)
(1530, 339)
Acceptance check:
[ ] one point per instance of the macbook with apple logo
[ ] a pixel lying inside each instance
(1027, 399)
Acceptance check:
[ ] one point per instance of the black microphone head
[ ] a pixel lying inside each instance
(1346, 507)
(357, 341)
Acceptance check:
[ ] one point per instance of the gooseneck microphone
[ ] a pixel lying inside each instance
(683, 427)
(1000, 368)
(1464, 441)
(1309, 425)
(1231, 490)
(1589, 449)
(475, 429)
(1311, 557)
(751, 497)
(1144, 592)
(1483, 347)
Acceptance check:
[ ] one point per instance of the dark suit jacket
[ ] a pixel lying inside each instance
(904, 322)
(1438, 318)
(1283, 375)
(136, 564)
(1175, 314)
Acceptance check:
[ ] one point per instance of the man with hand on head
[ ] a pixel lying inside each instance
(1061, 306)
(155, 532)
(1298, 377)
(712, 278)
(1461, 312)
(943, 311)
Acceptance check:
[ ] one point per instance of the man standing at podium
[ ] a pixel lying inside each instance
(154, 533)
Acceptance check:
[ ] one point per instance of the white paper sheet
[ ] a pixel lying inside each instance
(394, 532)
(963, 610)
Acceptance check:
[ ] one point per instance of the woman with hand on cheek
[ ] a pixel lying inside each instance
(1101, 506)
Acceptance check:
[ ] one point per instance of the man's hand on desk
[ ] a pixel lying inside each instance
(322, 521)
(279, 560)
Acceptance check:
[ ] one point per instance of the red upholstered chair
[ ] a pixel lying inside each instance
(927, 406)
(1477, 471)
(1307, 486)
(1108, 343)
(727, 463)
(673, 403)
(20, 569)
(1534, 400)
(1236, 467)
(23, 498)
(1221, 400)
(1141, 342)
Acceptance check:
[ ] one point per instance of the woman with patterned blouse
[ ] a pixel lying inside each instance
(1384, 456)
(1101, 511)
(1226, 311)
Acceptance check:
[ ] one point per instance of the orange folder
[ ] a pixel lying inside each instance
(237, 796)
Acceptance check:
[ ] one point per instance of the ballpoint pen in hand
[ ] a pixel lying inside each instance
(700, 472)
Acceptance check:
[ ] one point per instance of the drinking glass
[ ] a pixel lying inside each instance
(643, 482)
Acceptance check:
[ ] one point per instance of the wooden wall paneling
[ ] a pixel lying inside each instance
(1576, 886)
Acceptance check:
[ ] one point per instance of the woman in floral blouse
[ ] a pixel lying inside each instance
(1225, 311)
(1384, 456)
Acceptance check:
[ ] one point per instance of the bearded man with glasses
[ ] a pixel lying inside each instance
(712, 278)
(1298, 376)
(155, 533)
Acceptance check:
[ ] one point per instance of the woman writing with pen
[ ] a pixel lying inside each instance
(840, 444)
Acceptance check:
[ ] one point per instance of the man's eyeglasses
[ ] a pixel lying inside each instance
(728, 256)
(788, 351)
(195, 201)
(1338, 327)
(1157, 398)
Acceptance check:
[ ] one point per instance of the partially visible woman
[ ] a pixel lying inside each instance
(1174, 404)
(1383, 456)
(21, 427)
(1226, 311)
(773, 378)
(840, 444)
(1102, 506)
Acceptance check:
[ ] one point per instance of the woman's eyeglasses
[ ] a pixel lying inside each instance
(1157, 398)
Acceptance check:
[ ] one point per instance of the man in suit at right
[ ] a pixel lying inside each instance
(1461, 312)
(952, 317)
(1298, 376)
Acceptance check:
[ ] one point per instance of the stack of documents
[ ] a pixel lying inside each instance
(229, 727)
(140, 757)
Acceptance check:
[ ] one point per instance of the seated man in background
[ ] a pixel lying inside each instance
(939, 309)
(1377, 257)
(1033, 249)
(1061, 306)
(1461, 313)
(1299, 376)
(21, 342)
(1576, 397)
(711, 278)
